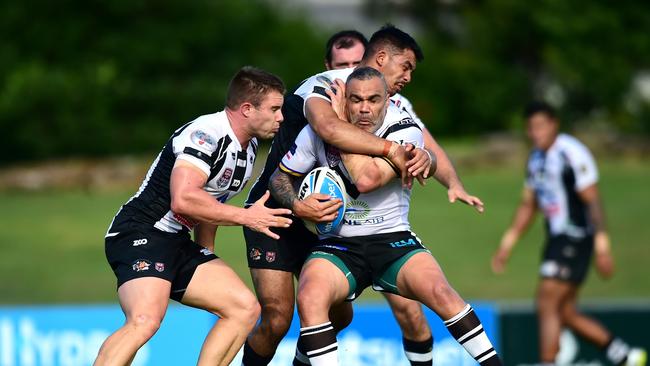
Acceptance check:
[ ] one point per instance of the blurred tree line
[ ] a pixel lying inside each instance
(484, 60)
(111, 77)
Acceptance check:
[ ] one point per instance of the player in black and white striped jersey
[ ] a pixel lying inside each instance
(373, 245)
(148, 244)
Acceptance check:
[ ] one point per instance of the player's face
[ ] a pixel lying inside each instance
(397, 70)
(343, 58)
(542, 130)
(267, 117)
(366, 103)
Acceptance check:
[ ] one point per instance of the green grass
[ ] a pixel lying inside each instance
(52, 248)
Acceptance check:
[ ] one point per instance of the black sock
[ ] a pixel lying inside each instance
(419, 353)
(616, 351)
(319, 342)
(300, 359)
(253, 359)
(468, 331)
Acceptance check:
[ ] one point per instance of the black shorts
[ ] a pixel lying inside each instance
(285, 254)
(138, 253)
(370, 260)
(566, 258)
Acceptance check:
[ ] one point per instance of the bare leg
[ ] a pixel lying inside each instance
(439, 296)
(144, 302)
(586, 327)
(275, 293)
(410, 317)
(551, 294)
(321, 285)
(216, 288)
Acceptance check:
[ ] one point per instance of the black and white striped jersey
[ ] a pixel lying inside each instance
(384, 210)
(293, 111)
(556, 176)
(210, 144)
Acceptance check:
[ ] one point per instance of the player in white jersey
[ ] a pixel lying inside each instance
(562, 183)
(374, 245)
(148, 244)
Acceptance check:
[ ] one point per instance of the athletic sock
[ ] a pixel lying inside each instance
(468, 331)
(300, 359)
(253, 359)
(616, 351)
(320, 344)
(419, 353)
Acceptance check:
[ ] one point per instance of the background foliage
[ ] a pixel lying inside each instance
(96, 78)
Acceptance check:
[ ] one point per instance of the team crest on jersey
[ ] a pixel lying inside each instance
(225, 178)
(332, 155)
(270, 256)
(255, 254)
(160, 266)
(141, 265)
(202, 139)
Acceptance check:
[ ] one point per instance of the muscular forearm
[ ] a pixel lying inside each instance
(342, 134)
(445, 172)
(198, 205)
(281, 187)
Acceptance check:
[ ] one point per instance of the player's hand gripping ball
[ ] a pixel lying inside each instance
(326, 181)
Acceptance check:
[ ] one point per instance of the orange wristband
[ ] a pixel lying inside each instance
(387, 146)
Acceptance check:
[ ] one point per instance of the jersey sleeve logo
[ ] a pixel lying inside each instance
(203, 139)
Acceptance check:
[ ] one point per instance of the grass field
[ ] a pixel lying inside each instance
(52, 249)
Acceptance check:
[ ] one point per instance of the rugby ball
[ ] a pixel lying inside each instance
(327, 181)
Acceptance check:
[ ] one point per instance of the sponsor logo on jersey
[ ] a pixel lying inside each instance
(202, 139)
(255, 254)
(160, 266)
(270, 256)
(206, 251)
(225, 178)
(139, 242)
(356, 210)
(236, 183)
(141, 265)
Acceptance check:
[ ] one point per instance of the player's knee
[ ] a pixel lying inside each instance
(546, 306)
(409, 315)
(249, 310)
(312, 301)
(276, 319)
(444, 296)
(145, 325)
(568, 314)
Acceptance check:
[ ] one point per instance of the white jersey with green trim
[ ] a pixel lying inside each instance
(384, 210)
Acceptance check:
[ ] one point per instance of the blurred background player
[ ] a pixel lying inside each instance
(343, 50)
(562, 183)
(379, 250)
(148, 245)
(273, 263)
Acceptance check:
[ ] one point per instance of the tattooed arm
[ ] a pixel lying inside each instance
(316, 207)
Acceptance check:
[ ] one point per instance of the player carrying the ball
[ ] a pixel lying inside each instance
(374, 245)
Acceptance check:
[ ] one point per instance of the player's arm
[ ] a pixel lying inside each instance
(316, 207)
(295, 164)
(447, 176)
(604, 261)
(368, 173)
(190, 200)
(520, 223)
(204, 235)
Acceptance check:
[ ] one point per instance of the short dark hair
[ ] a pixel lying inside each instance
(344, 39)
(393, 39)
(537, 106)
(251, 85)
(367, 73)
